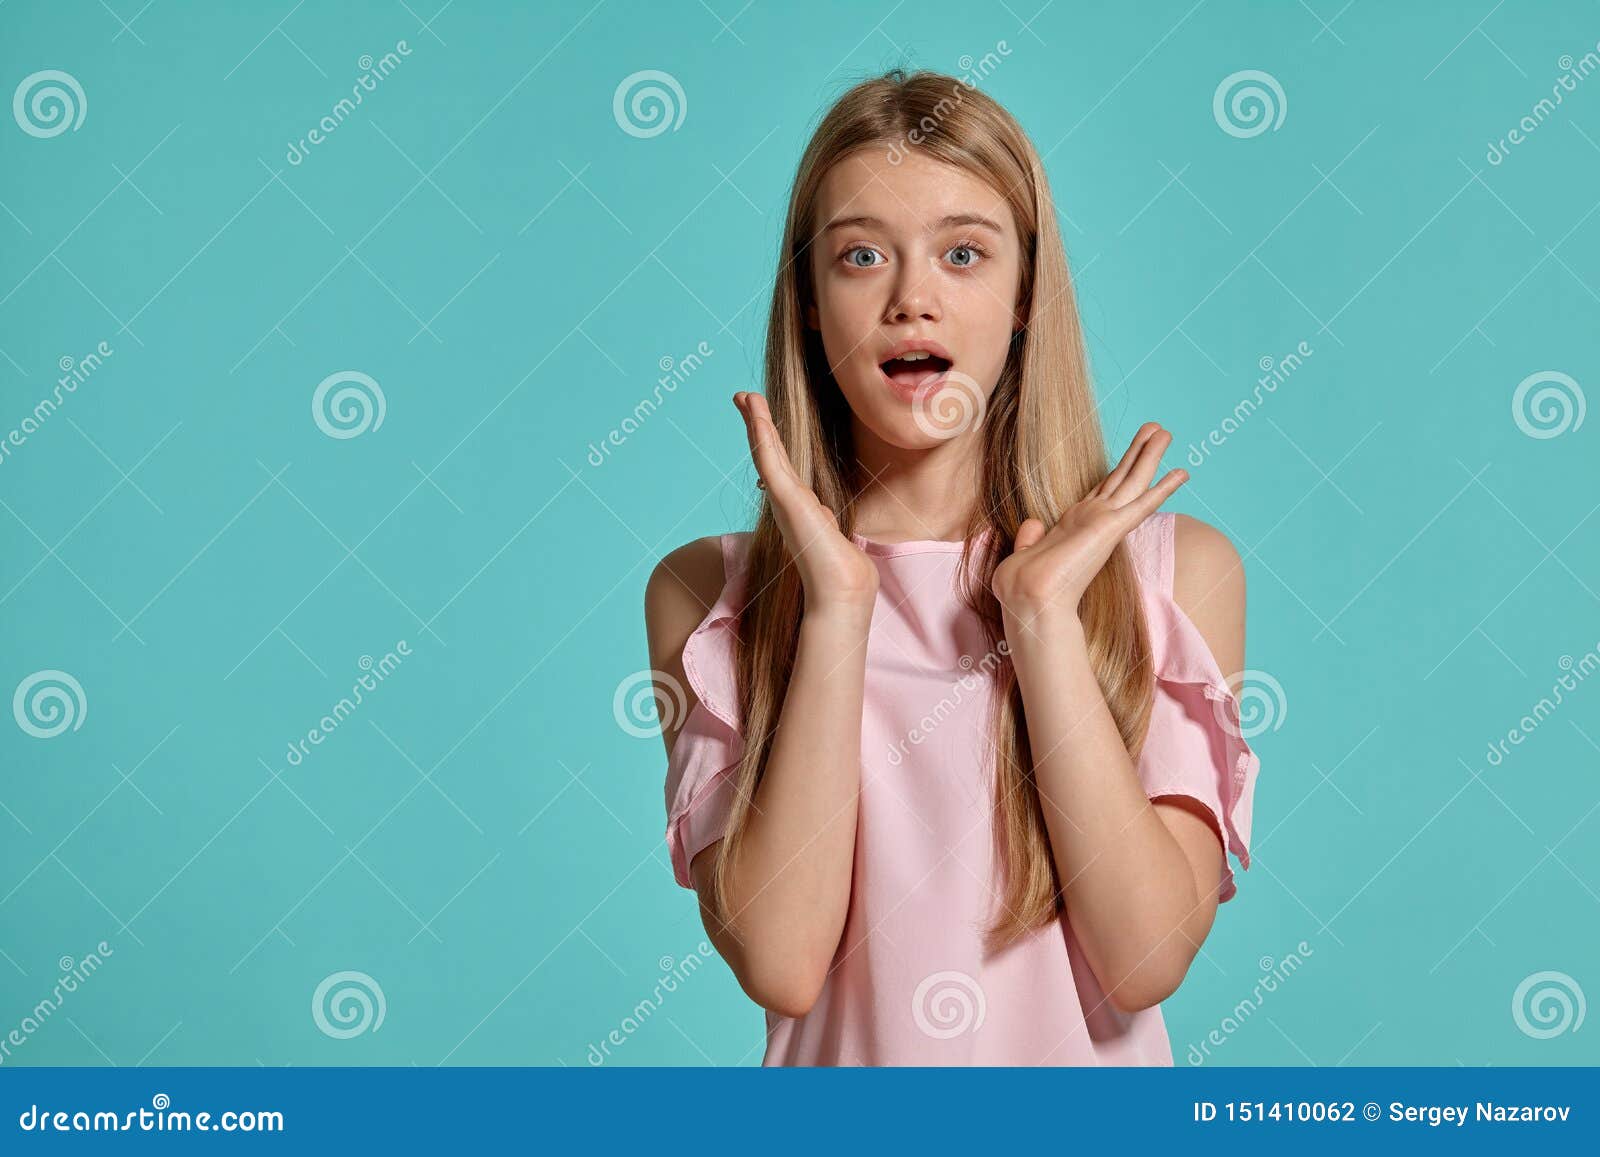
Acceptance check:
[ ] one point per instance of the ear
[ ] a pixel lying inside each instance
(812, 320)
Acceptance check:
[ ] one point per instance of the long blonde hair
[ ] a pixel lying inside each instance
(1042, 452)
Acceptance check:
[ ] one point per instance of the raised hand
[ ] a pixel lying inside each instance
(833, 570)
(1050, 569)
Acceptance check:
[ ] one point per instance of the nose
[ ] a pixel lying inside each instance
(914, 297)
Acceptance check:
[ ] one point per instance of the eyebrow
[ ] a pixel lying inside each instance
(944, 222)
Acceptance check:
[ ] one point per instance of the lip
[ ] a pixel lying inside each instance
(926, 389)
(910, 344)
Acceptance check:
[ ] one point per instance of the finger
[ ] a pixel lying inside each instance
(771, 459)
(1147, 503)
(1144, 469)
(1029, 534)
(1114, 479)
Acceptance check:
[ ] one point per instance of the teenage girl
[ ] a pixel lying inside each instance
(956, 768)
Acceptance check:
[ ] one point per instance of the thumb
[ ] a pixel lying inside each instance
(1030, 532)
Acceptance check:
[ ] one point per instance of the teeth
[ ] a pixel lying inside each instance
(915, 356)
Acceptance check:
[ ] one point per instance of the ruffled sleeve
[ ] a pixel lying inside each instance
(700, 770)
(1195, 746)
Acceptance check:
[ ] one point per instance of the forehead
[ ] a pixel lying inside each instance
(910, 193)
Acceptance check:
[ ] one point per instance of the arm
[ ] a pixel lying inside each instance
(790, 887)
(1139, 877)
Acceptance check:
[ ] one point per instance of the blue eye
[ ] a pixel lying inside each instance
(972, 250)
(850, 256)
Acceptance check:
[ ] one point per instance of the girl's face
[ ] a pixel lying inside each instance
(918, 253)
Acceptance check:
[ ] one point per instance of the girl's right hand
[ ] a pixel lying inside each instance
(834, 571)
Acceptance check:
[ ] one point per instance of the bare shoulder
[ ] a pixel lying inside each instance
(684, 585)
(1208, 584)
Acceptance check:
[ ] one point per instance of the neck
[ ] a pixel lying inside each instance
(915, 494)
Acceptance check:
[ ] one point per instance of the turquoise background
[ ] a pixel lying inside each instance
(481, 237)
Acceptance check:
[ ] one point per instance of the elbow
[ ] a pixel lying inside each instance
(1147, 986)
(784, 991)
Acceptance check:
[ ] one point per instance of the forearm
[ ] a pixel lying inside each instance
(791, 888)
(1129, 888)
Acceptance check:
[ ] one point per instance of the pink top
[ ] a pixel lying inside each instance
(911, 984)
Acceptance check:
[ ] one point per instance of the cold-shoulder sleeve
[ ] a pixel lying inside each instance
(1195, 745)
(706, 754)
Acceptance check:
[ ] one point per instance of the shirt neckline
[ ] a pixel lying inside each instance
(915, 546)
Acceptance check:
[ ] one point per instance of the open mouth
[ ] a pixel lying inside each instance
(915, 370)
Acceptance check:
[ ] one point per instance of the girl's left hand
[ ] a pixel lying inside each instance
(1050, 569)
